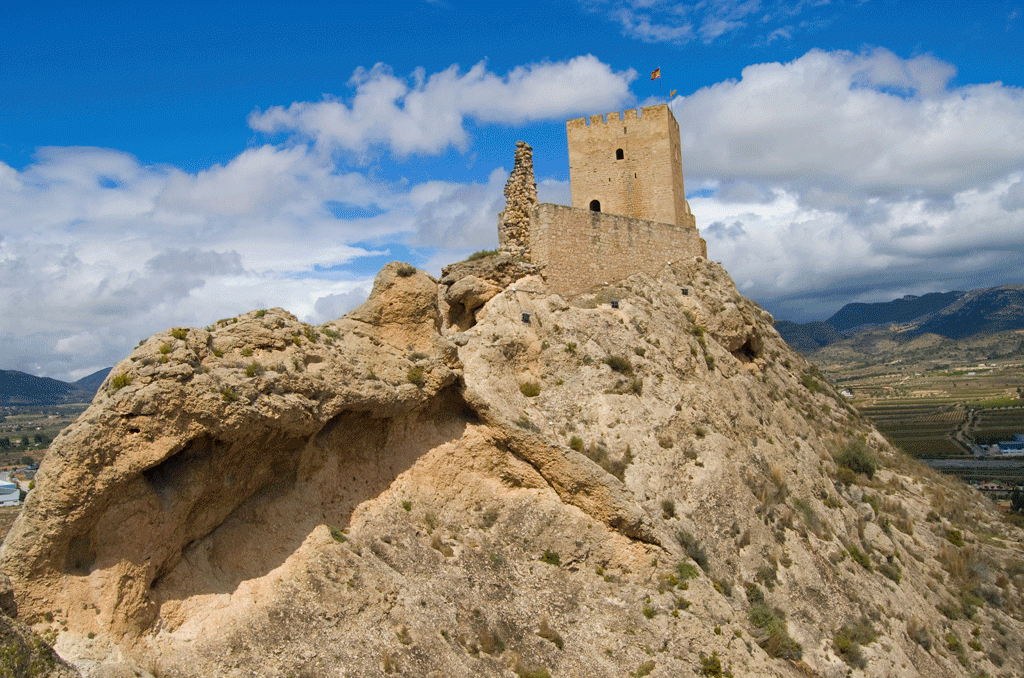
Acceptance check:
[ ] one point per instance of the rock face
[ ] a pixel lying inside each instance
(476, 477)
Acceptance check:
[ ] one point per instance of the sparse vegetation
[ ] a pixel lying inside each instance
(849, 639)
(668, 508)
(619, 364)
(416, 376)
(777, 643)
(120, 381)
(551, 558)
(530, 389)
(405, 270)
(856, 457)
(228, 395)
(247, 351)
(481, 254)
(179, 332)
(576, 443)
(254, 369)
(693, 548)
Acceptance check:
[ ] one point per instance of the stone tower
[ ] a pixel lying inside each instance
(630, 165)
(520, 201)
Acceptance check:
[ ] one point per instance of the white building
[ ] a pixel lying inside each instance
(10, 495)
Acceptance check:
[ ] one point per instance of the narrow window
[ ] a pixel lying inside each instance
(595, 205)
(619, 155)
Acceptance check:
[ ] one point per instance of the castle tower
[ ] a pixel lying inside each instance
(630, 165)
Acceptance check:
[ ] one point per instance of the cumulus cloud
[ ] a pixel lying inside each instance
(840, 177)
(427, 114)
(871, 122)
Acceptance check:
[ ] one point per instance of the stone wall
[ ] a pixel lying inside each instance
(647, 182)
(520, 200)
(580, 248)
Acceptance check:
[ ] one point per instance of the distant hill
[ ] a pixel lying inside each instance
(953, 315)
(901, 310)
(20, 388)
(93, 381)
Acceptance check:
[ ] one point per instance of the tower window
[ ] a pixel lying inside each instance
(595, 205)
(619, 155)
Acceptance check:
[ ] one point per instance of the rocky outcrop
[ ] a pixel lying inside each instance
(474, 476)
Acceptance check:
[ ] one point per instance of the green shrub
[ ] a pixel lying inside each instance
(253, 369)
(228, 395)
(686, 571)
(649, 612)
(778, 643)
(860, 557)
(892, 571)
(711, 666)
(260, 313)
(849, 639)
(247, 351)
(179, 332)
(576, 443)
(337, 534)
(530, 389)
(645, 669)
(416, 376)
(333, 334)
(693, 548)
(619, 364)
(856, 457)
(668, 508)
(405, 270)
(165, 349)
(120, 381)
(407, 505)
(482, 254)
(551, 558)
(955, 537)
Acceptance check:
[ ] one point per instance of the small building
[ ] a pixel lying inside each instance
(10, 495)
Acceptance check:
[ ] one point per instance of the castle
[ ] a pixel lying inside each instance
(629, 212)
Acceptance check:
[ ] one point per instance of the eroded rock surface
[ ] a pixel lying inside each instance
(524, 483)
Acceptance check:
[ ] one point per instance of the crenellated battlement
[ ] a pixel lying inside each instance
(629, 211)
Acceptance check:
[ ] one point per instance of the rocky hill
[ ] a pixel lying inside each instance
(474, 477)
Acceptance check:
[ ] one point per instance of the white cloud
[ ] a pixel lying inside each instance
(843, 176)
(425, 114)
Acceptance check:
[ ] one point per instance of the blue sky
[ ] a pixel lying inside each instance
(171, 164)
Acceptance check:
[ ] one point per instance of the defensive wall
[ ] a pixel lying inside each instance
(580, 248)
(629, 212)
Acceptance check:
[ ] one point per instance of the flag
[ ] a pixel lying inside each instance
(672, 93)
(655, 74)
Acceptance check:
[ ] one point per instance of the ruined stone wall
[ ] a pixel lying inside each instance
(520, 200)
(580, 248)
(647, 182)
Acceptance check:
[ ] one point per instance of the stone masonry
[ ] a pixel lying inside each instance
(629, 165)
(629, 212)
(521, 198)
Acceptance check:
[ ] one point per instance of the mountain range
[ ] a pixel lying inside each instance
(21, 388)
(953, 315)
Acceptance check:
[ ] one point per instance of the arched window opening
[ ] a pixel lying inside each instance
(619, 155)
(595, 205)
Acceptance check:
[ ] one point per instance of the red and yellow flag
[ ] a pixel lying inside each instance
(656, 73)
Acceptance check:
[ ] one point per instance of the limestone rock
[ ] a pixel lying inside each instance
(535, 482)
